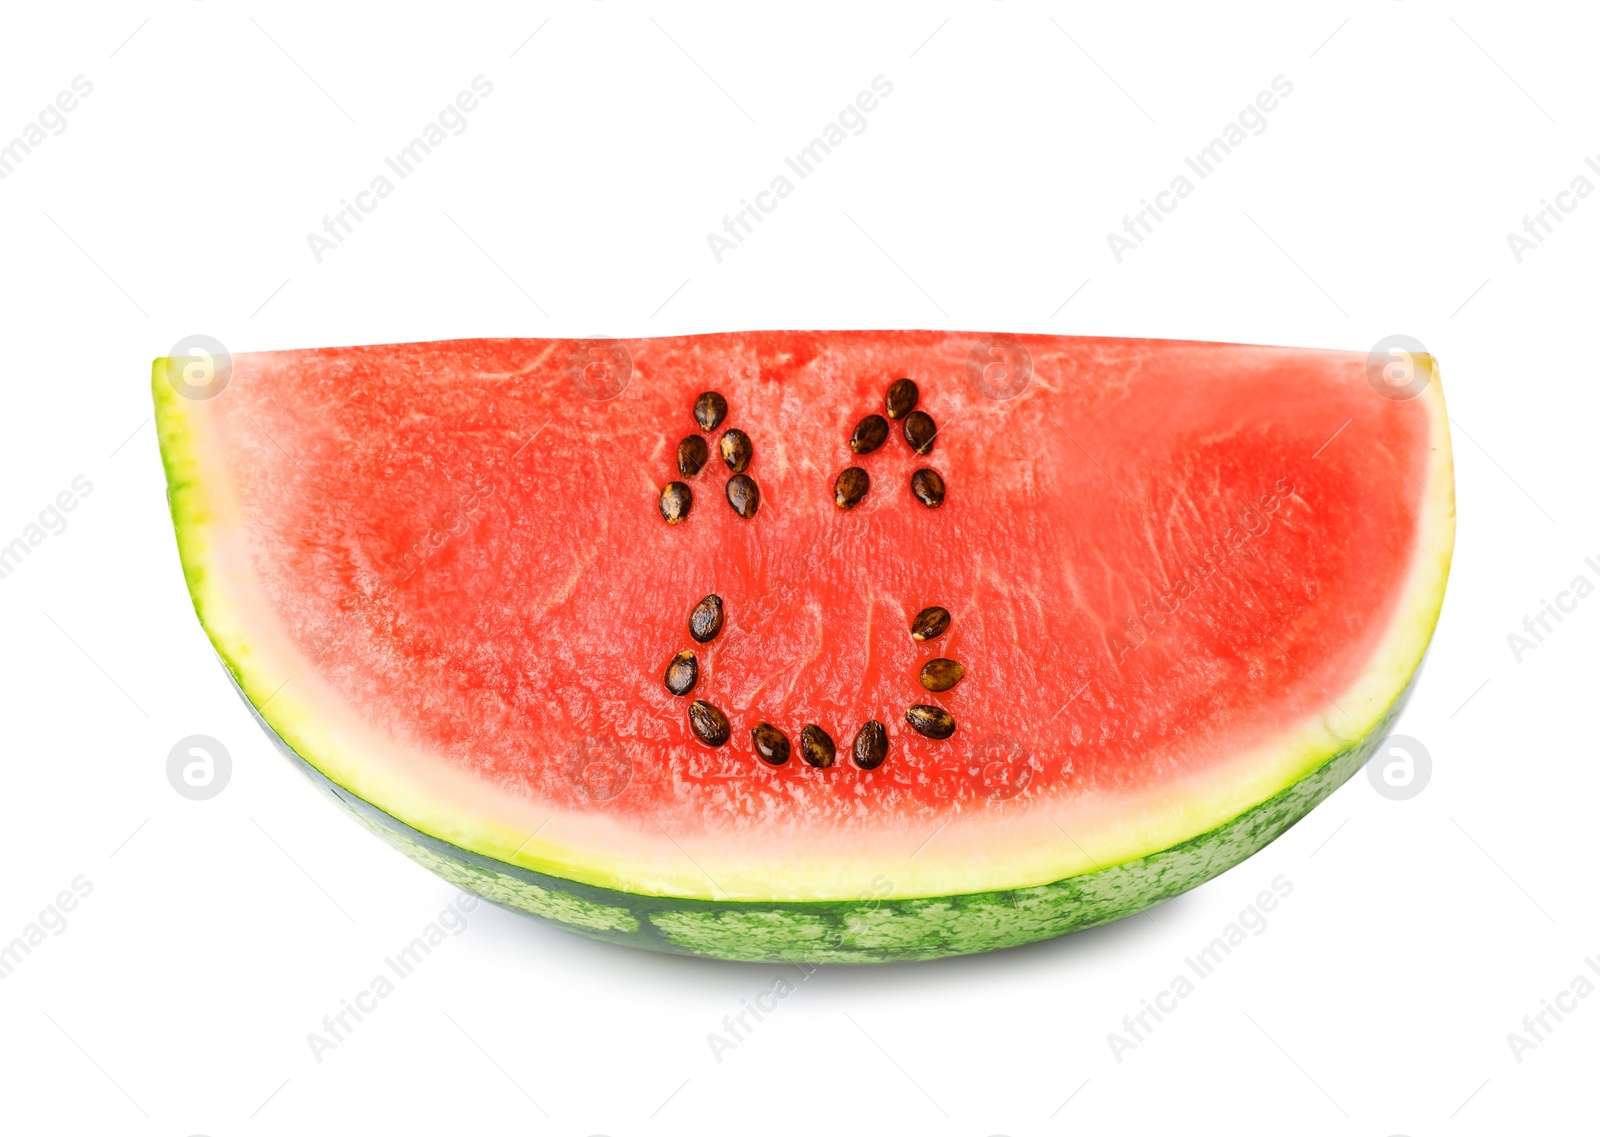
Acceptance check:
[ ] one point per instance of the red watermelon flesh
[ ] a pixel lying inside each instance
(1181, 577)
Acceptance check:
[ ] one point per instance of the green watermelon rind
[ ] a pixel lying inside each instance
(873, 930)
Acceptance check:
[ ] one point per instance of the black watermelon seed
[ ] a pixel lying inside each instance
(710, 725)
(772, 745)
(736, 450)
(682, 673)
(850, 487)
(930, 623)
(705, 621)
(816, 747)
(709, 411)
(901, 399)
(928, 487)
(871, 746)
(919, 431)
(692, 454)
(744, 495)
(869, 434)
(675, 502)
(930, 722)
(941, 674)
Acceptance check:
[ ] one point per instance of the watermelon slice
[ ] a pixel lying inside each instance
(1184, 590)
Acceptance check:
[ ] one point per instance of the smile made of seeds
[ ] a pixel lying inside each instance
(870, 746)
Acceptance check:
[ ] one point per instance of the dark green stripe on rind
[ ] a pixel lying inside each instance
(865, 931)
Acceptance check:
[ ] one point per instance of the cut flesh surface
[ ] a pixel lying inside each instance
(1185, 580)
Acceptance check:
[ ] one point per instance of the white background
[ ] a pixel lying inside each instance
(178, 998)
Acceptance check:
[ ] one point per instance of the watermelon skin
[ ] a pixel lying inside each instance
(875, 930)
(863, 924)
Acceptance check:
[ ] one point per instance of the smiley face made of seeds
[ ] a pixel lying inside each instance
(707, 722)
